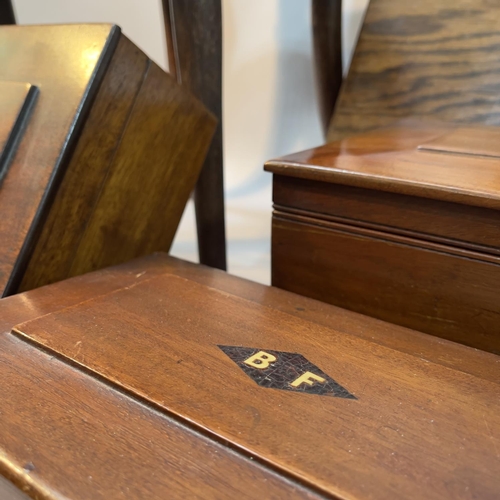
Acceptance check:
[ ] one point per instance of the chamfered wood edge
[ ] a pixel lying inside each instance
(14, 475)
(16, 134)
(21, 479)
(387, 237)
(389, 185)
(167, 411)
(482, 252)
(63, 161)
(102, 282)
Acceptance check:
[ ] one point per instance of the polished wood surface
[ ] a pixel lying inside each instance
(23, 191)
(429, 287)
(473, 228)
(86, 440)
(400, 160)
(65, 435)
(116, 146)
(194, 42)
(428, 58)
(158, 341)
(400, 224)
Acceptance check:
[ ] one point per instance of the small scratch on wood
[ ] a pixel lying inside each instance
(140, 274)
(78, 345)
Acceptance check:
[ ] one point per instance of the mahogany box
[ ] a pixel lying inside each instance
(402, 224)
(99, 152)
(163, 379)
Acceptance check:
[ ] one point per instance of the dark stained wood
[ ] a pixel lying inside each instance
(453, 224)
(116, 153)
(194, 42)
(430, 58)
(326, 25)
(7, 12)
(401, 280)
(400, 224)
(401, 438)
(16, 104)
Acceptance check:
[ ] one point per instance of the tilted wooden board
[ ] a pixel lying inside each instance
(430, 58)
(107, 160)
(416, 428)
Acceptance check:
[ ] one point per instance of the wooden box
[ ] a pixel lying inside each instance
(402, 224)
(99, 152)
(163, 379)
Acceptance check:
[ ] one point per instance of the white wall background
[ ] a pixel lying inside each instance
(270, 105)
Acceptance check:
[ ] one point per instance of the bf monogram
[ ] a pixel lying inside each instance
(287, 371)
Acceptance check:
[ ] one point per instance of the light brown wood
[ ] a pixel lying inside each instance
(57, 111)
(433, 349)
(401, 437)
(429, 58)
(107, 162)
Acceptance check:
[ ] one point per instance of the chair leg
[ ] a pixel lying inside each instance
(209, 206)
(194, 41)
(7, 12)
(326, 18)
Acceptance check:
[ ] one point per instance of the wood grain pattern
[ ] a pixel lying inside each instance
(134, 190)
(152, 176)
(59, 112)
(66, 435)
(116, 180)
(194, 42)
(453, 224)
(431, 58)
(80, 188)
(400, 224)
(433, 349)
(397, 280)
(390, 160)
(401, 438)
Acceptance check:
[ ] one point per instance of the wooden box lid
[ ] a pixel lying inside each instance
(344, 415)
(101, 150)
(425, 159)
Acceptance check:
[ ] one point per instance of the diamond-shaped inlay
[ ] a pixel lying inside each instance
(288, 371)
